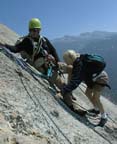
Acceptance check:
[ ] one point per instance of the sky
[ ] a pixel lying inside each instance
(60, 17)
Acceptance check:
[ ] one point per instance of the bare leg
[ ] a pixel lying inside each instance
(103, 119)
(57, 80)
(89, 94)
(96, 97)
(69, 71)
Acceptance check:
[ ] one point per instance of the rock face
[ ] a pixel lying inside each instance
(30, 114)
(7, 35)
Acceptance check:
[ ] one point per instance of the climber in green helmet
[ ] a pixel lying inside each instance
(36, 49)
(34, 27)
(34, 23)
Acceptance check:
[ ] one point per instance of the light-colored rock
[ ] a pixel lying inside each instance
(30, 114)
(7, 35)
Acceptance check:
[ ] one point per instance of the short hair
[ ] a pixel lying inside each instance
(70, 54)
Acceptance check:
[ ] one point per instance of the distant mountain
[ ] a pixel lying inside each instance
(83, 41)
(98, 42)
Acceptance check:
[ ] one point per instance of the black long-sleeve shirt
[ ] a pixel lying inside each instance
(27, 45)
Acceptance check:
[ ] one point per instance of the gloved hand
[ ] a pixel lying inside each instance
(50, 58)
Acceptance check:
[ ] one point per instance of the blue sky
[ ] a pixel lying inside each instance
(60, 17)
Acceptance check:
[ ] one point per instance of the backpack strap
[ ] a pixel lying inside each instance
(36, 47)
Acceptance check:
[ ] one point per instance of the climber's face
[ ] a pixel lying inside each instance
(34, 33)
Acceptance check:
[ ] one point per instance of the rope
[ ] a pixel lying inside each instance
(45, 111)
(112, 119)
(25, 66)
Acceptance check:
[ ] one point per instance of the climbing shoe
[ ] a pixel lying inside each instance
(102, 122)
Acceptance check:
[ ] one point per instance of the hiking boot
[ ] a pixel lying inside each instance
(96, 112)
(73, 98)
(102, 122)
(80, 112)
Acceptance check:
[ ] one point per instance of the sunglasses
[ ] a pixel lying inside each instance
(35, 30)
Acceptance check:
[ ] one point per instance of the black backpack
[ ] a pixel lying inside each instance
(94, 65)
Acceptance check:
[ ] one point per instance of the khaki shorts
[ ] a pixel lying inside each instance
(102, 79)
(38, 63)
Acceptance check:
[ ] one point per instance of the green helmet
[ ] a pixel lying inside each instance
(34, 23)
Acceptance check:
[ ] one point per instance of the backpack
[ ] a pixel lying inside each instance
(94, 65)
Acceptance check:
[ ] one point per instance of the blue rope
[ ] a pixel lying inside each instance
(22, 63)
